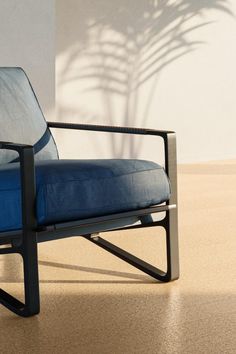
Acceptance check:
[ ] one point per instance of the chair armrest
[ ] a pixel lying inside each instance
(169, 145)
(28, 193)
(110, 129)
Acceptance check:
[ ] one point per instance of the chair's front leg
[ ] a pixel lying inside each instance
(28, 246)
(31, 282)
(170, 222)
(172, 247)
(31, 279)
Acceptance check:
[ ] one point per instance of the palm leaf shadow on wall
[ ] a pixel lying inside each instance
(119, 48)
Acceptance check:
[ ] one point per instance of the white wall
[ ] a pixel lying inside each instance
(27, 36)
(161, 64)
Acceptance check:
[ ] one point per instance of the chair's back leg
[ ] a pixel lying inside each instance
(171, 228)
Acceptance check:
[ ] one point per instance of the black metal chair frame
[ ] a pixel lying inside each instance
(24, 242)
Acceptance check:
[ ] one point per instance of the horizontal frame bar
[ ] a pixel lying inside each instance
(81, 227)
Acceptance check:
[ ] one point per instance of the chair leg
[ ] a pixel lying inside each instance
(31, 306)
(171, 228)
(172, 245)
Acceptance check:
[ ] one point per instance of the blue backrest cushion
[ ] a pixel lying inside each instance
(21, 118)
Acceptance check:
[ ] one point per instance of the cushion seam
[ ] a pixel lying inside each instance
(97, 179)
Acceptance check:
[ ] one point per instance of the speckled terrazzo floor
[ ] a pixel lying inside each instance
(92, 302)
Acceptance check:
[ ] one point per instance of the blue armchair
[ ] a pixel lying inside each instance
(44, 198)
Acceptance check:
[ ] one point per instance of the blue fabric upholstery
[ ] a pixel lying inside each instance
(77, 189)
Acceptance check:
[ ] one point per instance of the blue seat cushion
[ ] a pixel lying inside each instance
(77, 189)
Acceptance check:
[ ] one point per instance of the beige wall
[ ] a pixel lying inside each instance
(27, 40)
(161, 64)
